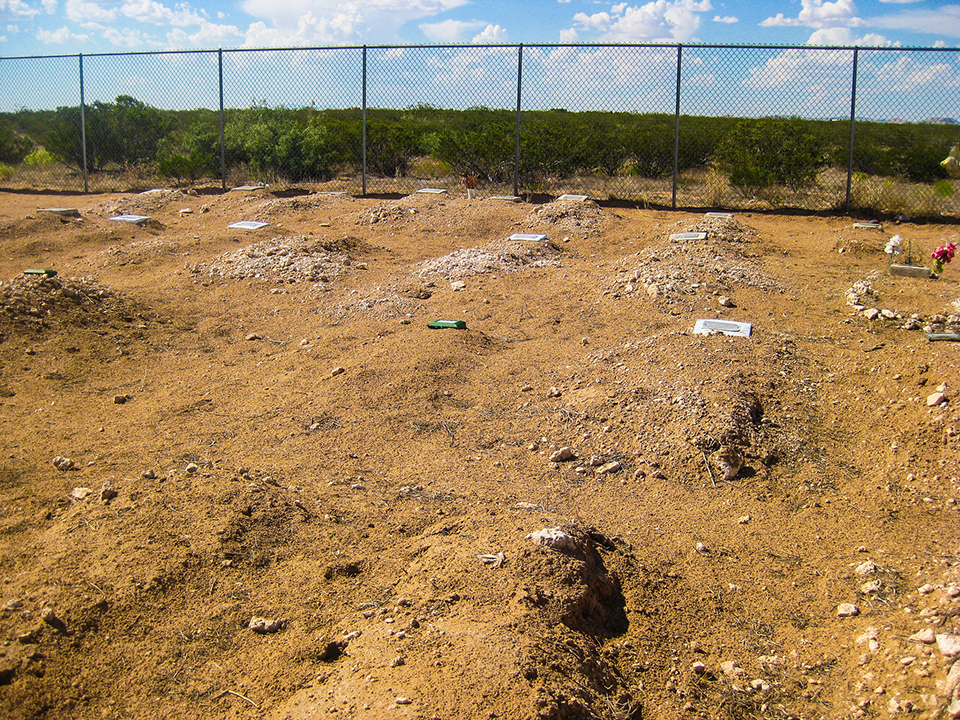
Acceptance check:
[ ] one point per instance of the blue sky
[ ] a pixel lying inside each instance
(44, 27)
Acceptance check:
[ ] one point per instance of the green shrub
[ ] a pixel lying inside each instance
(13, 146)
(39, 158)
(6, 172)
(759, 154)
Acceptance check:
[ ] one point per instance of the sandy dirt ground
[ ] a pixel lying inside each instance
(241, 477)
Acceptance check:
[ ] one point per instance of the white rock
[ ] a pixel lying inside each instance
(610, 467)
(871, 586)
(949, 644)
(698, 668)
(926, 589)
(866, 569)
(934, 399)
(80, 493)
(264, 626)
(192, 468)
(925, 636)
(732, 669)
(457, 285)
(564, 453)
(337, 371)
(62, 464)
(871, 313)
(554, 538)
(724, 301)
(743, 519)
(847, 610)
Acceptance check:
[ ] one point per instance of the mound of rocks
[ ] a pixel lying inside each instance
(498, 256)
(39, 302)
(578, 217)
(296, 259)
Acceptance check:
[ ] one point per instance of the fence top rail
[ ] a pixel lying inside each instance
(678, 46)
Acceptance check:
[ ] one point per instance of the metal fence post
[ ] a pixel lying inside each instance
(676, 129)
(223, 150)
(853, 120)
(83, 130)
(364, 123)
(516, 160)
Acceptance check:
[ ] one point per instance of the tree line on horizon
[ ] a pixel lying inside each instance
(307, 144)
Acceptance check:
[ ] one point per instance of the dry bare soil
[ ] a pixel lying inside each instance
(279, 494)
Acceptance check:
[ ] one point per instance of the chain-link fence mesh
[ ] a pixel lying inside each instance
(820, 128)
(40, 96)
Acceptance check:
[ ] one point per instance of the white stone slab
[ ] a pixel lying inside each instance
(689, 236)
(67, 212)
(248, 187)
(870, 225)
(725, 327)
(135, 219)
(725, 216)
(508, 198)
(910, 270)
(432, 191)
(248, 225)
(528, 236)
(579, 198)
(332, 192)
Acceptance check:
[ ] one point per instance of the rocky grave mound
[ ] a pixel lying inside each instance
(149, 201)
(864, 297)
(409, 208)
(287, 260)
(35, 303)
(677, 272)
(281, 206)
(577, 217)
(498, 256)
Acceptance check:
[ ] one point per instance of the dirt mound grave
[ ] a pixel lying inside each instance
(34, 303)
(498, 256)
(577, 217)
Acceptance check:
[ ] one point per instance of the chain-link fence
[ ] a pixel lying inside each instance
(819, 128)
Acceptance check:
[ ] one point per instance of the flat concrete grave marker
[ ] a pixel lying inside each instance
(725, 216)
(948, 336)
(528, 236)
(868, 225)
(65, 212)
(432, 191)
(689, 236)
(578, 198)
(726, 327)
(910, 270)
(45, 273)
(248, 187)
(133, 219)
(248, 225)
(331, 192)
(508, 198)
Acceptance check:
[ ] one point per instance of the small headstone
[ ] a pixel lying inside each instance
(528, 236)
(575, 198)
(132, 219)
(689, 236)
(910, 270)
(723, 215)
(868, 225)
(725, 327)
(432, 191)
(508, 198)
(64, 212)
(248, 225)
(248, 187)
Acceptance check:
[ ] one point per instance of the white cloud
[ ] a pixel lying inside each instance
(59, 37)
(336, 21)
(901, 2)
(210, 35)
(845, 36)
(18, 8)
(674, 20)
(819, 14)
(149, 11)
(905, 74)
(13, 29)
(490, 34)
(726, 19)
(569, 36)
(128, 38)
(944, 20)
(82, 11)
(449, 31)
(50, 6)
